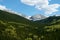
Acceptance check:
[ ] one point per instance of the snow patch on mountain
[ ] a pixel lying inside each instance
(37, 17)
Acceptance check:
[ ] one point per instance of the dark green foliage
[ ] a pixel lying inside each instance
(15, 27)
(11, 17)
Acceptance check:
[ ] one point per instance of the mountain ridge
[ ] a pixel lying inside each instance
(34, 17)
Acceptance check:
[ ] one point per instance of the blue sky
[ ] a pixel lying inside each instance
(23, 6)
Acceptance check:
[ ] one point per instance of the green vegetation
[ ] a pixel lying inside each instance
(15, 27)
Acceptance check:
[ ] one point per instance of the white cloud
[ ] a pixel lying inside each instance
(29, 2)
(58, 15)
(2, 7)
(51, 8)
(35, 2)
(42, 5)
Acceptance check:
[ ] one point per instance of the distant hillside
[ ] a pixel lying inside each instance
(6, 16)
(15, 27)
(51, 28)
(49, 20)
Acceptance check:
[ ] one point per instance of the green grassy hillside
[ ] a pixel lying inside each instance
(11, 17)
(51, 28)
(15, 27)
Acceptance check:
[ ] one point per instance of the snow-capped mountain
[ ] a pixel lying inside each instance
(37, 17)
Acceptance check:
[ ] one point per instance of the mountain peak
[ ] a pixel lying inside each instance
(37, 17)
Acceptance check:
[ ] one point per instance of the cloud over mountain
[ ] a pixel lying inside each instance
(2, 7)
